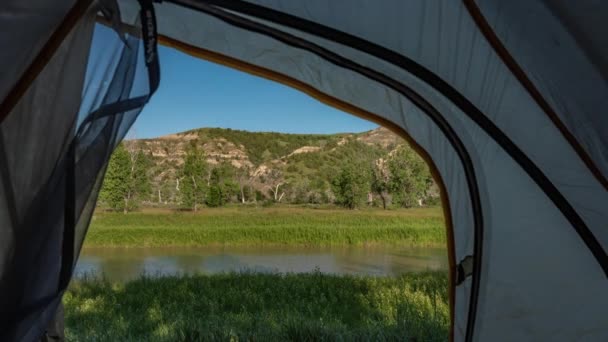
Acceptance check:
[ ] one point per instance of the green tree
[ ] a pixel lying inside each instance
(351, 186)
(140, 186)
(126, 181)
(300, 192)
(192, 179)
(116, 182)
(214, 195)
(222, 186)
(409, 177)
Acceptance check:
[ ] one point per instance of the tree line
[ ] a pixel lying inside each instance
(397, 179)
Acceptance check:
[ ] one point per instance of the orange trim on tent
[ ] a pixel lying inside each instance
(351, 109)
(525, 81)
(44, 56)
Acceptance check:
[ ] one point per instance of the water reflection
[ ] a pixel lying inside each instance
(121, 264)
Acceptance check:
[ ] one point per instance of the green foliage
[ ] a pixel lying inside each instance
(214, 197)
(193, 182)
(126, 182)
(307, 177)
(270, 226)
(140, 180)
(351, 186)
(222, 186)
(409, 177)
(116, 182)
(380, 183)
(263, 146)
(260, 307)
(259, 196)
(300, 193)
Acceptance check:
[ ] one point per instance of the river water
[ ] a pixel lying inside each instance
(123, 264)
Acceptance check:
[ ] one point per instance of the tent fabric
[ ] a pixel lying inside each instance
(525, 189)
(574, 94)
(56, 144)
(18, 16)
(526, 222)
(33, 177)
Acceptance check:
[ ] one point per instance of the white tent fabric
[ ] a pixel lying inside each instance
(507, 99)
(541, 43)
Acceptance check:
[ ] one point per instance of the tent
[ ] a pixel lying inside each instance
(505, 100)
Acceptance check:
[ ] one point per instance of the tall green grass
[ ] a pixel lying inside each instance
(267, 226)
(260, 307)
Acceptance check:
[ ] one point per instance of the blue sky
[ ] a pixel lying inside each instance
(194, 93)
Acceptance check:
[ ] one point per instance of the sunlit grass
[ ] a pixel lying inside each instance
(267, 226)
(260, 307)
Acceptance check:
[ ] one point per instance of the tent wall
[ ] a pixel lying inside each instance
(56, 144)
(537, 205)
(559, 49)
(34, 139)
(19, 50)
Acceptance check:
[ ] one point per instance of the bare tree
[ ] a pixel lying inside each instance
(275, 180)
(243, 176)
(380, 182)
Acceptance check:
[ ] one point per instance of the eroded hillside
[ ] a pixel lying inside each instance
(301, 165)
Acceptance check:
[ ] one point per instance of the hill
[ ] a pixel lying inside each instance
(295, 168)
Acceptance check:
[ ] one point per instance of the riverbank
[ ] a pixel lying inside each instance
(260, 307)
(268, 226)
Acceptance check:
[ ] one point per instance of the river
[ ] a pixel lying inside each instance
(123, 264)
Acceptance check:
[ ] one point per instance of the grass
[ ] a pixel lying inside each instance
(260, 307)
(268, 226)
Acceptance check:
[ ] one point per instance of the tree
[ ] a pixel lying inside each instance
(116, 181)
(221, 185)
(192, 180)
(274, 180)
(351, 186)
(300, 192)
(140, 187)
(409, 177)
(380, 182)
(318, 192)
(243, 178)
(126, 181)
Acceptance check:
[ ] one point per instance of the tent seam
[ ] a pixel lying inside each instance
(511, 63)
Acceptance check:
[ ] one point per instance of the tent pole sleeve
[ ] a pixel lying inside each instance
(525, 81)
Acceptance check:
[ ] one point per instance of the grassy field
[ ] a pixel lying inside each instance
(267, 226)
(260, 307)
